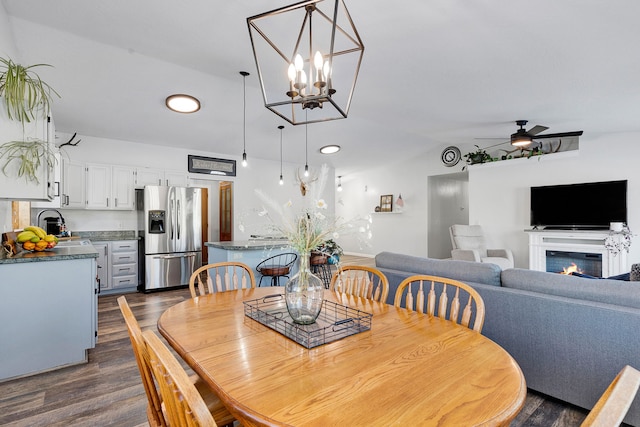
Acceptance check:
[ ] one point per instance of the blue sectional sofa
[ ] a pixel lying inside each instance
(570, 335)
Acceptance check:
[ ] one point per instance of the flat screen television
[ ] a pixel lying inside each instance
(590, 205)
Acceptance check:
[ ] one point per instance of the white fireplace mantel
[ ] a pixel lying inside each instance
(587, 241)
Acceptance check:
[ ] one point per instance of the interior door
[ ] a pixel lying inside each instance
(226, 211)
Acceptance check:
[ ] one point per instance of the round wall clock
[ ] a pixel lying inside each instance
(451, 156)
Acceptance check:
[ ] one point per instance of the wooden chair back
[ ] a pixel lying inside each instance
(220, 277)
(361, 281)
(183, 404)
(416, 286)
(614, 403)
(154, 408)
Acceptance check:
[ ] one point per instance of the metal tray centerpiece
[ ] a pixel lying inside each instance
(334, 322)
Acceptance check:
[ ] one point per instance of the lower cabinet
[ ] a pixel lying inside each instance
(48, 313)
(117, 265)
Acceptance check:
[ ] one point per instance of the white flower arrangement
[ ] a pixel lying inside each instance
(308, 226)
(615, 245)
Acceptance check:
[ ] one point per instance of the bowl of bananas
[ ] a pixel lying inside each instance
(35, 239)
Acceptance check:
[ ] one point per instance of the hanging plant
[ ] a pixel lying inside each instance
(29, 155)
(23, 91)
(26, 96)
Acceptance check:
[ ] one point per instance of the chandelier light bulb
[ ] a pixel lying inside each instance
(318, 60)
(292, 72)
(299, 63)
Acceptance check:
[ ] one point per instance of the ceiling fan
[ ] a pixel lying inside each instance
(523, 137)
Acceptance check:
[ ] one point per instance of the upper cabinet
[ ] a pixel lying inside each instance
(149, 176)
(73, 185)
(109, 187)
(41, 186)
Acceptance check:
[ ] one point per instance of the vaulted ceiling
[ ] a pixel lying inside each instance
(434, 73)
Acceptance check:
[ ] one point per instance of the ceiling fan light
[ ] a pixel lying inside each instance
(520, 140)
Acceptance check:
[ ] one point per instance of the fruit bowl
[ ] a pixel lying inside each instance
(34, 239)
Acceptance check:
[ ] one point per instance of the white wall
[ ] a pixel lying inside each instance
(499, 192)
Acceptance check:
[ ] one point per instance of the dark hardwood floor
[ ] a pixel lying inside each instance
(107, 390)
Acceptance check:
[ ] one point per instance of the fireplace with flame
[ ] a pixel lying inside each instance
(574, 262)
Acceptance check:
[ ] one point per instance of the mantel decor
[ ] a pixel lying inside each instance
(618, 241)
(386, 203)
(211, 166)
(308, 55)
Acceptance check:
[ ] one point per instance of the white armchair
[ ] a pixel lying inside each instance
(469, 245)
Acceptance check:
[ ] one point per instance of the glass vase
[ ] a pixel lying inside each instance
(304, 293)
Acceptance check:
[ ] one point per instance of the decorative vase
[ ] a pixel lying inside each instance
(304, 293)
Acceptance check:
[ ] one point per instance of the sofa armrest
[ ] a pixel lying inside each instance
(501, 253)
(466, 255)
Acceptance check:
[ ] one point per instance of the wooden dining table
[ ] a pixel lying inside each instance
(408, 369)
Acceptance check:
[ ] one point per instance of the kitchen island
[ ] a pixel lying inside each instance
(249, 252)
(48, 308)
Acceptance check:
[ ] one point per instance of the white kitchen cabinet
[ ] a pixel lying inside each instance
(176, 178)
(13, 187)
(149, 176)
(73, 185)
(109, 187)
(56, 181)
(122, 189)
(120, 272)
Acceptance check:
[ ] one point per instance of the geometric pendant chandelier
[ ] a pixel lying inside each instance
(308, 56)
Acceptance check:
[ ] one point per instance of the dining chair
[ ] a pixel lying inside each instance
(183, 405)
(361, 281)
(276, 266)
(413, 289)
(155, 414)
(221, 276)
(614, 403)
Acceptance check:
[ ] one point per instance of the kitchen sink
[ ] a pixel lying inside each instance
(67, 243)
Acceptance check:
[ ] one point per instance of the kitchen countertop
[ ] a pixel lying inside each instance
(103, 236)
(59, 253)
(240, 245)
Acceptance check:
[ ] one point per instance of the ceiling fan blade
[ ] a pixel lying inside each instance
(559, 135)
(536, 130)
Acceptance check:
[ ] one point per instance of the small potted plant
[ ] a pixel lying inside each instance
(615, 245)
(478, 156)
(331, 250)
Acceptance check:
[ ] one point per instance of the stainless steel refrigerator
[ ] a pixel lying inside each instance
(172, 235)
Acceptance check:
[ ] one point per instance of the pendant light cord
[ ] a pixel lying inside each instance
(244, 75)
(306, 144)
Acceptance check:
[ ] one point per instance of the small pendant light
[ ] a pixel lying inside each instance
(281, 180)
(244, 75)
(306, 149)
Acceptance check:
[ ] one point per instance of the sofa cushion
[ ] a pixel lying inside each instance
(598, 290)
(465, 271)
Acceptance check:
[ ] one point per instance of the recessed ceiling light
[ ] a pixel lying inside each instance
(181, 103)
(330, 149)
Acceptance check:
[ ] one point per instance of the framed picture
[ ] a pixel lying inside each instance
(211, 166)
(386, 203)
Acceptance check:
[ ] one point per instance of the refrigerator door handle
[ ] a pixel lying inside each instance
(178, 217)
(172, 219)
(191, 255)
